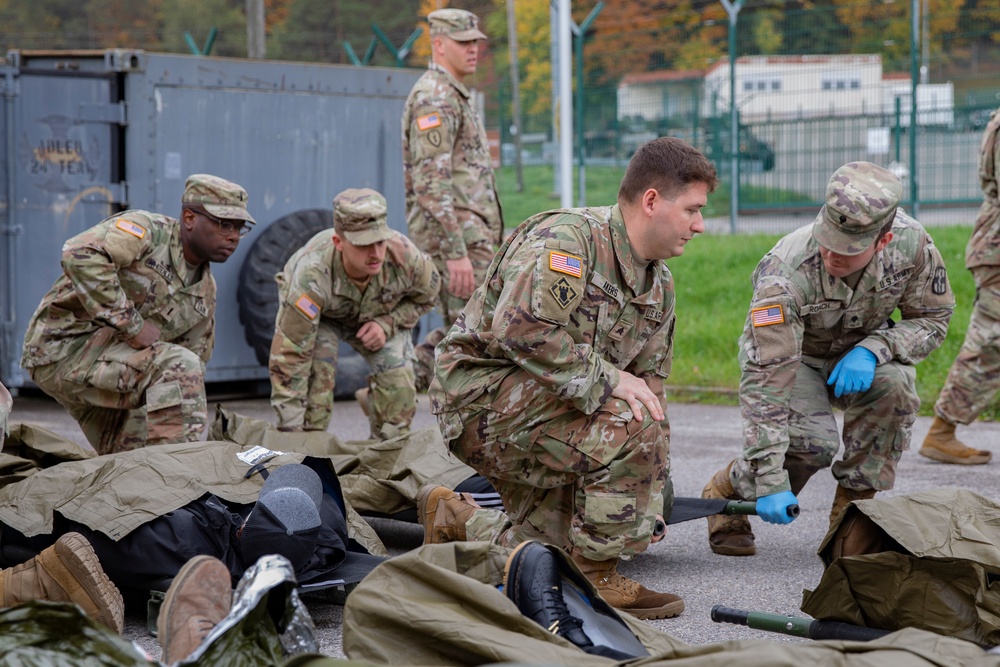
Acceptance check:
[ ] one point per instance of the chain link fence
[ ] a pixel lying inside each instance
(835, 85)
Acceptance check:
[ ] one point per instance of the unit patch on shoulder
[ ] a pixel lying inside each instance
(568, 264)
(939, 283)
(307, 306)
(767, 315)
(428, 122)
(130, 228)
(563, 291)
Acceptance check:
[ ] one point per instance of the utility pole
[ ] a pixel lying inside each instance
(515, 88)
(255, 29)
(733, 10)
(565, 105)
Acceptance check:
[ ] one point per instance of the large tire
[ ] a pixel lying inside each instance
(257, 292)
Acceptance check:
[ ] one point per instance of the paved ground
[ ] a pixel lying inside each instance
(704, 438)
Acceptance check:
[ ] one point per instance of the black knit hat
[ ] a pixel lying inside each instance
(286, 518)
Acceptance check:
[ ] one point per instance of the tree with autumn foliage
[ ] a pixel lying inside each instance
(885, 27)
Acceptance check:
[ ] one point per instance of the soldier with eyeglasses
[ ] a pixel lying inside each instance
(122, 338)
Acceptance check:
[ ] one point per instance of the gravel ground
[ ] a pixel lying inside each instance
(704, 438)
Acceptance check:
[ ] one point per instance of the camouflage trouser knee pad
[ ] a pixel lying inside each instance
(393, 401)
(176, 407)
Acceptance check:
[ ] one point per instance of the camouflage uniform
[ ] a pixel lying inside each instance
(452, 205)
(523, 384)
(125, 271)
(974, 378)
(320, 306)
(803, 321)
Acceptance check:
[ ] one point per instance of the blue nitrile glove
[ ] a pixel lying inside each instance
(853, 373)
(774, 508)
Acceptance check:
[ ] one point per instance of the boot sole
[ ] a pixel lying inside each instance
(512, 561)
(78, 556)
(733, 551)
(162, 626)
(940, 456)
(428, 521)
(668, 611)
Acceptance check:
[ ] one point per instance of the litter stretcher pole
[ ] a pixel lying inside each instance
(797, 626)
(688, 509)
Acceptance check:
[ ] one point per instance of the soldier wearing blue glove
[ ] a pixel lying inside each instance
(819, 336)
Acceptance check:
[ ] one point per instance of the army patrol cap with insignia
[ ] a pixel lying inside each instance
(223, 199)
(460, 25)
(359, 217)
(861, 199)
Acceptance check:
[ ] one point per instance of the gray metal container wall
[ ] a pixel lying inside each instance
(86, 134)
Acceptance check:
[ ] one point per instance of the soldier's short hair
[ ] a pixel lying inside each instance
(669, 165)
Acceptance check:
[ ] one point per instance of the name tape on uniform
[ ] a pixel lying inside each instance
(767, 315)
(307, 306)
(428, 122)
(567, 264)
(130, 227)
(607, 287)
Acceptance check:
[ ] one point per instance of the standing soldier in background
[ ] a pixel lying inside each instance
(452, 206)
(974, 377)
(363, 283)
(819, 336)
(130, 323)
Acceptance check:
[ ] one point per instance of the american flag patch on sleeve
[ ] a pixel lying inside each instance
(564, 263)
(308, 307)
(428, 122)
(130, 227)
(767, 315)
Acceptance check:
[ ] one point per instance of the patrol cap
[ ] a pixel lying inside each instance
(286, 517)
(460, 25)
(223, 199)
(861, 199)
(359, 216)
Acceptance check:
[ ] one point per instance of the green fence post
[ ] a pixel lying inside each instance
(398, 54)
(209, 42)
(898, 130)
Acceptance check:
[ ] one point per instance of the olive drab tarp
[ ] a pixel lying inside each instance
(29, 449)
(438, 605)
(376, 476)
(932, 562)
(148, 483)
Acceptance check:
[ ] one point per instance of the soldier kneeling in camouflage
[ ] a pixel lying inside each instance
(820, 335)
(131, 322)
(363, 283)
(550, 384)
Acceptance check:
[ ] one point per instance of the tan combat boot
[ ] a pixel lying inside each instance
(200, 596)
(68, 571)
(625, 594)
(443, 513)
(844, 496)
(729, 535)
(361, 396)
(942, 445)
